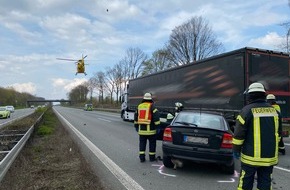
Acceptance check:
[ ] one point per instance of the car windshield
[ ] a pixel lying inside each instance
(204, 120)
(2, 108)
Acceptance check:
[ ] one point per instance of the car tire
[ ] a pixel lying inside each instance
(167, 162)
(229, 169)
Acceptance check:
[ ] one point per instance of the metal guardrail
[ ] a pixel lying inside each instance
(13, 153)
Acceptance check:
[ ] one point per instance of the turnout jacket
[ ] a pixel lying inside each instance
(146, 118)
(257, 133)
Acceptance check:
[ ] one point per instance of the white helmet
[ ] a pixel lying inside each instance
(256, 87)
(147, 96)
(169, 116)
(270, 97)
(178, 104)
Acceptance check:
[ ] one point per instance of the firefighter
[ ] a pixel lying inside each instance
(178, 108)
(146, 122)
(272, 100)
(257, 133)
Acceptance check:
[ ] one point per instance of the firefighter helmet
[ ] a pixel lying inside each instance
(270, 97)
(178, 105)
(147, 96)
(256, 87)
(169, 116)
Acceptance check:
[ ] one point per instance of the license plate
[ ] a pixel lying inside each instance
(199, 140)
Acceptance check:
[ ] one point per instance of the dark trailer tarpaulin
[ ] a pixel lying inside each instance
(217, 82)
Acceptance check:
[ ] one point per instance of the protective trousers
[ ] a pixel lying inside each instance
(281, 146)
(247, 176)
(142, 146)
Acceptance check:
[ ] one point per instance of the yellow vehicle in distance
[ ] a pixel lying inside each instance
(88, 107)
(4, 112)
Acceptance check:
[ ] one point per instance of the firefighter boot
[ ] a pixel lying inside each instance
(142, 157)
(282, 151)
(152, 158)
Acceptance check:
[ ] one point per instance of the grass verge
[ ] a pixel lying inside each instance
(50, 160)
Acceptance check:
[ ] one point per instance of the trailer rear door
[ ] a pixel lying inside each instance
(272, 69)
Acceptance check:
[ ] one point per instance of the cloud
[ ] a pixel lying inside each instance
(271, 40)
(36, 32)
(25, 87)
(63, 86)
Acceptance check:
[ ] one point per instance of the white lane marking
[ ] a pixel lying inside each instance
(229, 181)
(104, 119)
(161, 172)
(283, 169)
(121, 175)
(236, 175)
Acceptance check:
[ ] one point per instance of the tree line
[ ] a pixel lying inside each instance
(9, 96)
(190, 42)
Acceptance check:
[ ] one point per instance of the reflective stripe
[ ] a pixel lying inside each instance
(277, 107)
(257, 137)
(264, 112)
(152, 153)
(148, 132)
(254, 161)
(240, 187)
(237, 141)
(142, 152)
(157, 122)
(278, 138)
(240, 119)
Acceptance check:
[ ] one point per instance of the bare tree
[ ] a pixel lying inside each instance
(286, 45)
(133, 62)
(158, 62)
(192, 41)
(110, 83)
(91, 84)
(116, 78)
(100, 84)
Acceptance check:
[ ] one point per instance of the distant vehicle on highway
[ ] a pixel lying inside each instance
(88, 107)
(4, 112)
(10, 108)
(198, 136)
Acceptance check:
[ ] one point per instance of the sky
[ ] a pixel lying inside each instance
(34, 33)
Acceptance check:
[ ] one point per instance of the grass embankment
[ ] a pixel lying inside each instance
(50, 160)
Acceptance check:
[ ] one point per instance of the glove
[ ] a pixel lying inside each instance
(236, 155)
(136, 128)
(158, 130)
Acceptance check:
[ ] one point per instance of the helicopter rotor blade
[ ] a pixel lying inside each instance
(66, 59)
(85, 57)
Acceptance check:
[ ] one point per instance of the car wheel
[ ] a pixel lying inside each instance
(167, 162)
(229, 169)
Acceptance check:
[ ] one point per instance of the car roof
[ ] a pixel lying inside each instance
(202, 111)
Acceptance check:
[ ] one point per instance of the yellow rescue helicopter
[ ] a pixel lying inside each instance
(80, 64)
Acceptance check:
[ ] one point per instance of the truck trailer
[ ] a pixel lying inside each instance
(217, 83)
